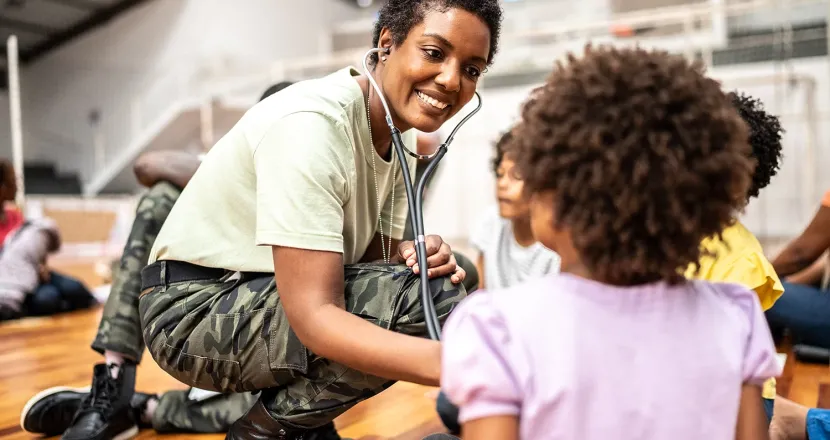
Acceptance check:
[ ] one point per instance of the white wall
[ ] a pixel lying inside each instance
(107, 68)
(464, 183)
(785, 207)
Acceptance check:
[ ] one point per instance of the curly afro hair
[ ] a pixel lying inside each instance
(400, 16)
(644, 156)
(764, 137)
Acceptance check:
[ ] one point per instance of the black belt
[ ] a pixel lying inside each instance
(162, 273)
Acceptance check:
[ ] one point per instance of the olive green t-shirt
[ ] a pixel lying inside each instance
(295, 171)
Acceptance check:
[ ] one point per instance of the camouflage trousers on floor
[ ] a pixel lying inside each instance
(120, 328)
(177, 412)
(231, 335)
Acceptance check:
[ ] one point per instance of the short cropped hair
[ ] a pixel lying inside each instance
(400, 16)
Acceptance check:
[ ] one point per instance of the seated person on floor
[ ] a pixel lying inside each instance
(508, 252)
(805, 309)
(27, 286)
(79, 414)
(10, 216)
(24, 253)
(735, 255)
(618, 344)
(743, 262)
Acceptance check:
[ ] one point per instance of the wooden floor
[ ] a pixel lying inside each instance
(38, 353)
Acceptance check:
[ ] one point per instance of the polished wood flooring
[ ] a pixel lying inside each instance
(38, 353)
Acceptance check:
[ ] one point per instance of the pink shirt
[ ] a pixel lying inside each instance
(577, 359)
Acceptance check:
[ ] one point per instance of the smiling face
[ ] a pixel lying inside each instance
(434, 72)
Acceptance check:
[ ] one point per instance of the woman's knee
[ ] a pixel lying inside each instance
(446, 295)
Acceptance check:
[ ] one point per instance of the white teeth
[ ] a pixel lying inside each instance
(432, 101)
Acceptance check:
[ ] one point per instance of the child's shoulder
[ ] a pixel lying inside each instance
(491, 218)
(736, 241)
(488, 226)
(728, 294)
(739, 258)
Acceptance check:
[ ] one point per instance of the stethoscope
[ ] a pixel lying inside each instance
(415, 199)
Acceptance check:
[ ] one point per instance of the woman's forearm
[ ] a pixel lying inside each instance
(807, 247)
(372, 349)
(311, 288)
(794, 258)
(811, 275)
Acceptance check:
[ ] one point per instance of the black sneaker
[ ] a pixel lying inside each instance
(50, 411)
(105, 413)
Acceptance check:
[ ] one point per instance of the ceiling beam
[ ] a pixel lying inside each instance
(95, 20)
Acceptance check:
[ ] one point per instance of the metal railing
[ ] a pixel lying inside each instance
(697, 30)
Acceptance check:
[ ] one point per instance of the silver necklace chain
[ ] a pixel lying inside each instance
(386, 249)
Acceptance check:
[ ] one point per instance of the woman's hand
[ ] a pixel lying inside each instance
(440, 259)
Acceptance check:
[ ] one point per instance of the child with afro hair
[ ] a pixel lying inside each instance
(630, 158)
(736, 256)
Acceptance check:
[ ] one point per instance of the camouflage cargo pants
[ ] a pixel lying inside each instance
(178, 412)
(231, 335)
(120, 328)
(117, 330)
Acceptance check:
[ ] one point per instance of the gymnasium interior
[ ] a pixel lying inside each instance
(88, 86)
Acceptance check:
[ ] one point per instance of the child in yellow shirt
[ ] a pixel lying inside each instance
(736, 256)
(742, 262)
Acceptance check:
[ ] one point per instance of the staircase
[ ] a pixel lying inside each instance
(178, 129)
(167, 114)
